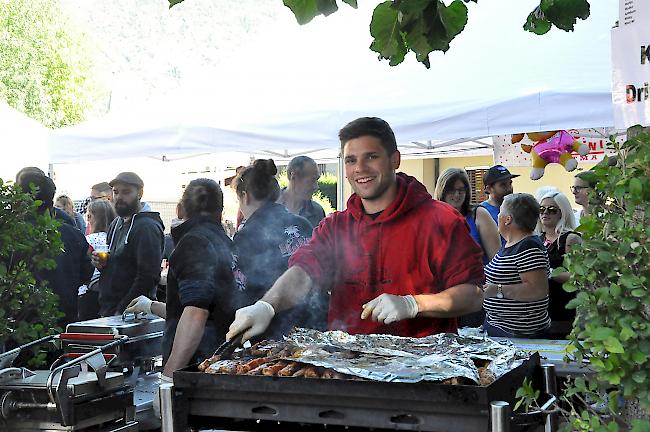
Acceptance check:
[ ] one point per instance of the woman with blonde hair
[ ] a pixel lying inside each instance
(453, 188)
(556, 226)
(64, 202)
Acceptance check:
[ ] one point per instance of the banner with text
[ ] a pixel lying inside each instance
(631, 66)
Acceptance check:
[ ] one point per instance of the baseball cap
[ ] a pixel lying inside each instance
(497, 173)
(129, 178)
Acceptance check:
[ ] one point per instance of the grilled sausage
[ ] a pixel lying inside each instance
(273, 369)
(247, 367)
(289, 369)
(331, 374)
(311, 372)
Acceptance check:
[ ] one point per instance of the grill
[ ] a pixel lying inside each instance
(144, 341)
(86, 388)
(263, 402)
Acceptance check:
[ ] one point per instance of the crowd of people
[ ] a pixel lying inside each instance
(396, 260)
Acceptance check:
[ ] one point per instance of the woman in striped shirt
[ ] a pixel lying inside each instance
(516, 289)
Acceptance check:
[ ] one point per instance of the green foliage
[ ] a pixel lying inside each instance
(29, 242)
(424, 26)
(527, 396)
(611, 274)
(562, 14)
(327, 187)
(43, 66)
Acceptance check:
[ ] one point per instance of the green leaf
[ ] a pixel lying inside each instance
(602, 333)
(173, 3)
(537, 22)
(327, 7)
(636, 188)
(303, 10)
(627, 334)
(384, 28)
(639, 376)
(564, 13)
(454, 18)
(613, 345)
(639, 357)
(605, 256)
(352, 3)
(639, 292)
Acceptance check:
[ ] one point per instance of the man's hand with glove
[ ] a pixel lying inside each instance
(138, 305)
(389, 308)
(251, 320)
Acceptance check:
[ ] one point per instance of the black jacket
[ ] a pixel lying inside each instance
(200, 275)
(73, 269)
(134, 262)
(263, 245)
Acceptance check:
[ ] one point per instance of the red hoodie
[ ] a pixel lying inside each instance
(416, 246)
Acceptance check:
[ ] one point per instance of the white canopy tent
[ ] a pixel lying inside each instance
(295, 88)
(17, 132)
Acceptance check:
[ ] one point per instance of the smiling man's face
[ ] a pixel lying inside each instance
(369, 168)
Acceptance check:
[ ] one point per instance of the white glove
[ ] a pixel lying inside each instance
(138, 305)
(389, 308)
(156, 399)
(251, 320)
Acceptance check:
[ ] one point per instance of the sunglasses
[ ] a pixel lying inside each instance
(550, 209)
(575, 189)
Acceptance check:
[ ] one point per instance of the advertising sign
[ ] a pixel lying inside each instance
(631, 65)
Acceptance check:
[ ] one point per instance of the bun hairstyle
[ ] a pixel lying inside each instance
(202, 196)
(259, 180)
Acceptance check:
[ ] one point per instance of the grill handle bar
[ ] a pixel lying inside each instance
(78, 360)
(7, 358)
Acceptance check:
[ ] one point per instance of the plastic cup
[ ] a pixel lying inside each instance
(102, 253)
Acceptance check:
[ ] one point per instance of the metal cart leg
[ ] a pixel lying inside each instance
(550, 387)
(167, 417)
(500, 416)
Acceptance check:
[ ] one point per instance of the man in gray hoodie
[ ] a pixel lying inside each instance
(135, 244)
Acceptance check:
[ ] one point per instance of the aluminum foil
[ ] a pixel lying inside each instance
(400, 359)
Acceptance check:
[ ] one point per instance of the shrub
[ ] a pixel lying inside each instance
(29, 242)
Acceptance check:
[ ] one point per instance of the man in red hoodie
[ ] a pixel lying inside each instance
(396, 260)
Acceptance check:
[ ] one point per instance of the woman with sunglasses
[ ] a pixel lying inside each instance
(556, 225)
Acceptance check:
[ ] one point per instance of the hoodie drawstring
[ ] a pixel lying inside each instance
(126, 240)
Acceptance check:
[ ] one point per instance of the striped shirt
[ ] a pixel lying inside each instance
(522, 318)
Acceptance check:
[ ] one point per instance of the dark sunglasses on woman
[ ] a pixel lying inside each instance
(550, 209)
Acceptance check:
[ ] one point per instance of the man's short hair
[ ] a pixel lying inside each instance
(588, 177)
(297, 165)
(103, 188)
(372, 126)
(31, 169)
(45, 187)
(523, 208)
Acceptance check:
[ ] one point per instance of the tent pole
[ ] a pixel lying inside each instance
(340, 202)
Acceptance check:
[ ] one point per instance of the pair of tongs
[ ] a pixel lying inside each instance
(226, 349)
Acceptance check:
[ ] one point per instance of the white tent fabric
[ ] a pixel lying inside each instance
(299, 85)
(17, 133)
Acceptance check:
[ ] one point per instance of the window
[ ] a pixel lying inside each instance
(476, 185)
